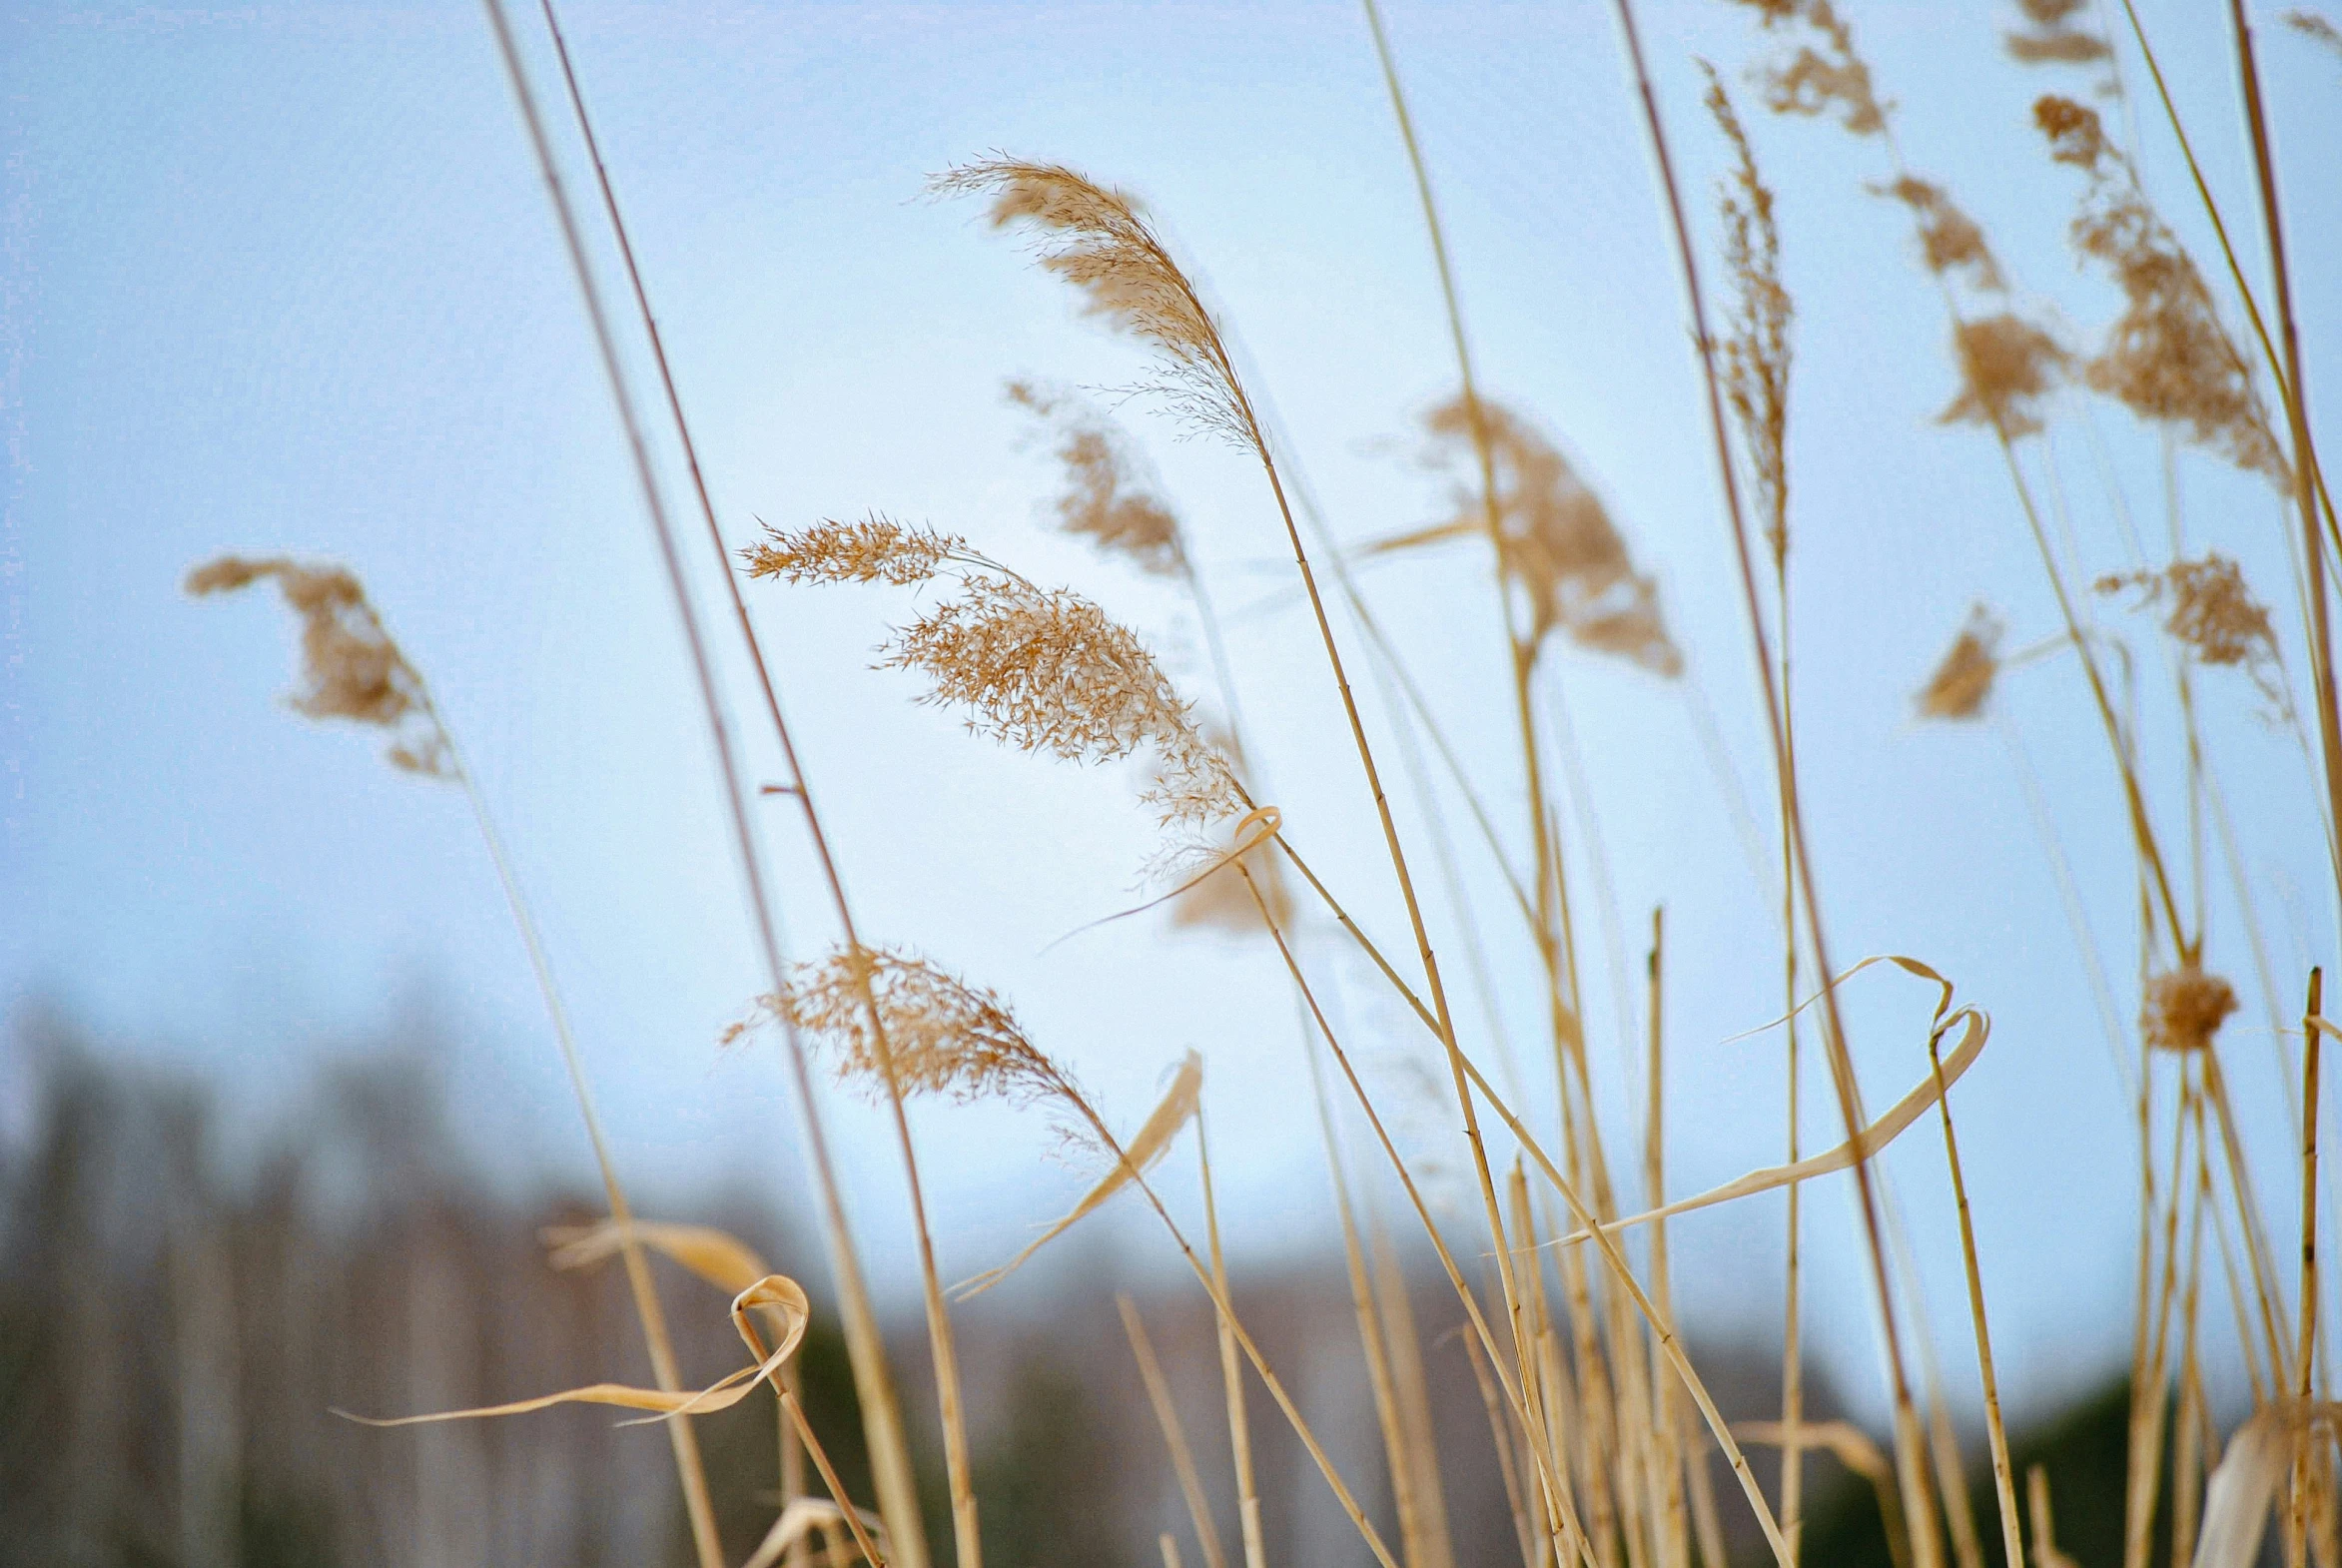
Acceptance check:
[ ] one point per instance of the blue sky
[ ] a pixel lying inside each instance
(283, 279)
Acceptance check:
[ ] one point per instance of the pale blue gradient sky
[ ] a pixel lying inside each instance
(283, 279)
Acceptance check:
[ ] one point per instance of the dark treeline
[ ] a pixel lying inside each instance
(176, 1338)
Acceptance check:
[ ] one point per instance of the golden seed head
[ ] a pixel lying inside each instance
(941, 1035)
(1097, 239)
(2006, 365)
(2213, 616)
(1108, 499)
(2183, 1008)
(1045, 669)
(1963, 680)
(1560, 550)
(2050, 38)
(1950, 239)
(2167, 358)
(349, 668)
(875, 549)
(1756, 344)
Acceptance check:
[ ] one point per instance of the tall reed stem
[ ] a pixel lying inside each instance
(1917, 1503)
(889, 1454)
(942, 1343)
(2305, 466)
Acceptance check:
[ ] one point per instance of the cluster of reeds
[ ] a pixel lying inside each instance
(1604, 1431)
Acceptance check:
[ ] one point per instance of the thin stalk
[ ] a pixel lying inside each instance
(1522, 652)
(888, 1455)
(2312, 1033)
(942, 1342)
(1556, 1497)
(1174, 1436)
(1231, 1374)
(689, 1470)
(1997, 1434)
(2321, 646)
(1833, 1033)
(1412, 1389)
(1499, 1430)
(1362, 1303)
(1669, 1429)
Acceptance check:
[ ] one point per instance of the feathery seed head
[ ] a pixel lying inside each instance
(1823, 76)
(2183, 1008)
(2167, 358)
(1756, 344)
(1962, 681)
(1097, 239)
(2315, 28)
(1559, 548)
(1950, 239)
(875, 549)
(1048, 671)
(2006, 363)
(943, 1035)
(2213, 616)
(1107, 499)
(351, 669)
(2050, 38)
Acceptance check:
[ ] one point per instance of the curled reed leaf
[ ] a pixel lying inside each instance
(1976, 1028)
(349, 668)
(717, 1256)
(1097, 239)
(1756, 344)
(2183, 1008)
(779, 1299)
(1138, 1154)
(2007, 365)
(1560, 550)
(875, 549)
(1963, 680)
(2167, 358)
(2050, 38)
(1106, 499)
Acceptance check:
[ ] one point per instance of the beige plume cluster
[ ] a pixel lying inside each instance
(349, 668)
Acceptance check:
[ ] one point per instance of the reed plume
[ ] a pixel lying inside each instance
(1950, 241)
(2213, 616)
(1962, 681)
(874, 549)
(948, 1038)
(2183, 1008)
(2050, 36)
(2315, 28)
(1099, 240)
(349, 668)
(1041, 669)
(2006, 366)
(1756, 344)
(1559, 549)
(1106, 499)
(2167, 358)
(1825, 76)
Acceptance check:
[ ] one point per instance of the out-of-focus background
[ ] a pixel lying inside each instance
(280, 1116)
